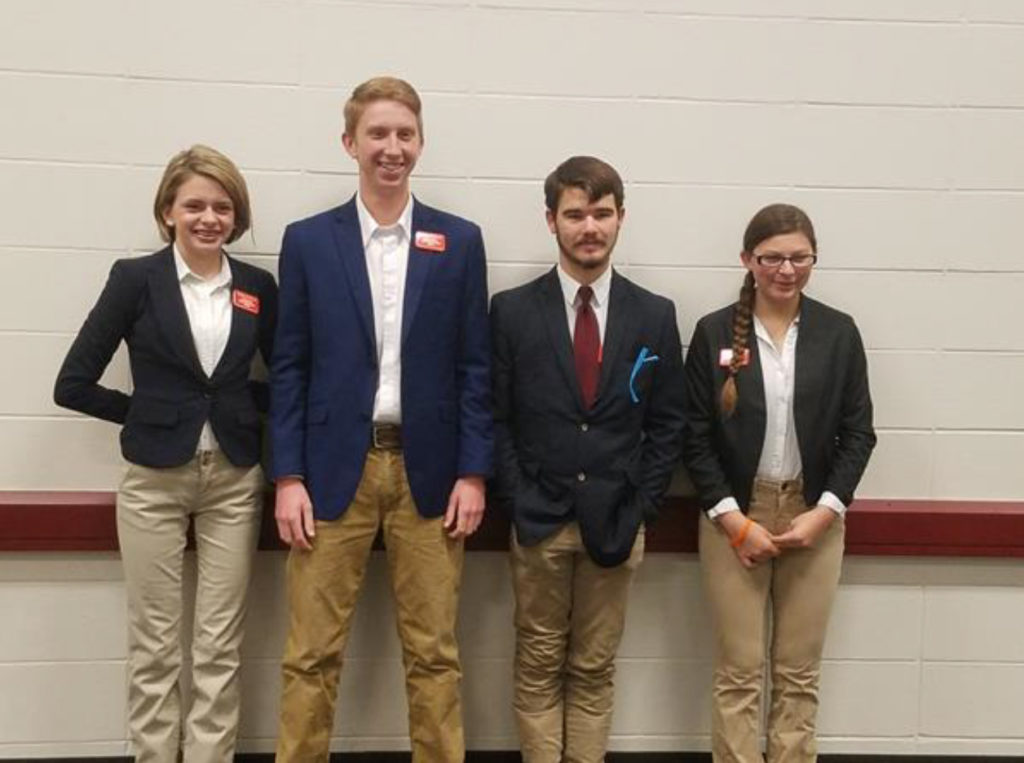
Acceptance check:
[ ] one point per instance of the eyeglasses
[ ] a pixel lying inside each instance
(798, 261)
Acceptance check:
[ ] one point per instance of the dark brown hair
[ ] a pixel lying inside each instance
(591, 175)
(773, 220)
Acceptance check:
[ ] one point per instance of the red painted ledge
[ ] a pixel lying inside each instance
(84, 521)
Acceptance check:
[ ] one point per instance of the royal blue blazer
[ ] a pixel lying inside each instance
(324, 371)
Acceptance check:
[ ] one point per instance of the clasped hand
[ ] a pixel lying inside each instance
(759, 545)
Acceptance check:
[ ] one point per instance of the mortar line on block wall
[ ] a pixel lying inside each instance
(148, 78)
(987, 353)
(78, 417)
(35, 332)
(919, 658)
(127, 166)
(50, 661)
(803, 17)
(553, 9)
(50, 249)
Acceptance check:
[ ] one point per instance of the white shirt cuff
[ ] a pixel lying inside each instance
(727, 504)
(832, 501)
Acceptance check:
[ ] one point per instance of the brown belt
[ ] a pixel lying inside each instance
(387, 437)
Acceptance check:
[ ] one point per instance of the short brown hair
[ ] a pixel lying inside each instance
(591, 175)
(210, 163)
(382, 89)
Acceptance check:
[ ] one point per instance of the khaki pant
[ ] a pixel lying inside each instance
(323, 584)
(570, 614)
(153, 511)
(800, 586)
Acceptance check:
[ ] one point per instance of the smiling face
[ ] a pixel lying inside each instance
(202, 217)
(386, 143)
(782, 284)
(586, 232)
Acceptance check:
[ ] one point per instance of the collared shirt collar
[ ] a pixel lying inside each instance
(762, 333)
(368, 225)
(223, 278)
(602, 286)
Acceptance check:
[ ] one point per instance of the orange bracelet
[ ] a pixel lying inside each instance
(742, 534)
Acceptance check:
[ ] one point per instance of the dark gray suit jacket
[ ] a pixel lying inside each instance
(607, 467)
(831, 405)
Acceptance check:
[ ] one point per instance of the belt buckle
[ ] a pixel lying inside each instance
(386, 437)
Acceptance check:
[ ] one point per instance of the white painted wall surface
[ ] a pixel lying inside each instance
(897, 124)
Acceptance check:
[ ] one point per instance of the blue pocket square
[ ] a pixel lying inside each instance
(642, 358)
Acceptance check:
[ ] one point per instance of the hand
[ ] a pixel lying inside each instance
(806, 528)
(294, 513)
(758, 544)
(465, 507)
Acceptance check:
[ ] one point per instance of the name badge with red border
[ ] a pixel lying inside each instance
(243, 300)
(431, 242)
(725, 357)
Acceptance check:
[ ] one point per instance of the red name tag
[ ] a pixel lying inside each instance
(725, 357)
(431, 242)
(243, 300)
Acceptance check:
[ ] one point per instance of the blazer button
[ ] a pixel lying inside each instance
(581, 477)
(584, 427)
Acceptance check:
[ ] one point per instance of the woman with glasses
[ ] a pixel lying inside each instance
(779, 433)
(192, 319)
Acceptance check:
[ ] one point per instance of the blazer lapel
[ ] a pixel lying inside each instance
(243, 323)
(421, 263)
(169, 311)
(349, 240)
(810, 353)
(750, 385)
(622, 318)
(552, 308)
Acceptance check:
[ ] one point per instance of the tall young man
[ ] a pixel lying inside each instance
(588, 415)
(380, 418)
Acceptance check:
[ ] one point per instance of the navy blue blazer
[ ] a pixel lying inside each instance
(324, 371)
(606, 467)
(172, 398)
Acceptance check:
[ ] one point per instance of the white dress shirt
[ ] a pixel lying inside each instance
(599, 302)
(780, 454)
(387, 259)
(208, 305)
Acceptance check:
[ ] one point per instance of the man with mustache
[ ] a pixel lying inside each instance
(588, 390)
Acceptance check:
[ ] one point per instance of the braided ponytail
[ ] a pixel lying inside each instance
(741, 319)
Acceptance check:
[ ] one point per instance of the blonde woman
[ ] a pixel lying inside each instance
(192, 318)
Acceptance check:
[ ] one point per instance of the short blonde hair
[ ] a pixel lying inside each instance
(210, 163)
(382, 89)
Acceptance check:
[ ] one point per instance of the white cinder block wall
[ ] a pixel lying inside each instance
(899, 126)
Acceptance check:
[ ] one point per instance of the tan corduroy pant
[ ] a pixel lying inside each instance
(323, 584)
(153, 511)
(570, 614)
(799, 585)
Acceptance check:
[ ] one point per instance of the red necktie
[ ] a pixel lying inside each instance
(586, 346)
